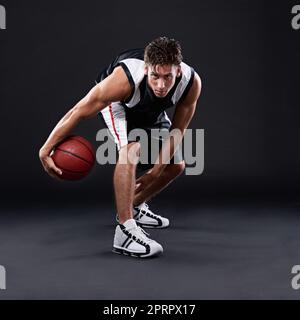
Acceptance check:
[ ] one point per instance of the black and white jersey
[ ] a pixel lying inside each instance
(142, 109)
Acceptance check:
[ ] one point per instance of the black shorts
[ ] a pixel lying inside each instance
(121, 127)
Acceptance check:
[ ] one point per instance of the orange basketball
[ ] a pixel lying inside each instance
(75, 156)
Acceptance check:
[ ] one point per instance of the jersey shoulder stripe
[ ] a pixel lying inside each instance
(184, 84)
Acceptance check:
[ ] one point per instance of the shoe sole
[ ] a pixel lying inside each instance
(135, 254)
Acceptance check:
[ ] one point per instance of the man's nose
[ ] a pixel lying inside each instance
(161, 84)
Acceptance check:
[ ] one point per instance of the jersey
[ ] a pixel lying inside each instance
(143, 109)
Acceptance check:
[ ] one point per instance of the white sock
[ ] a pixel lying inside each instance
(130, 224)
(140, 206)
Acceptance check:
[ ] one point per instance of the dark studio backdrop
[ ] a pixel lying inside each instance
(246, 53)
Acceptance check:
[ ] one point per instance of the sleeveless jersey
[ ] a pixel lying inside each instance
(143, 109)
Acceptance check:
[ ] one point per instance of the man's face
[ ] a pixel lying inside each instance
(161, 78)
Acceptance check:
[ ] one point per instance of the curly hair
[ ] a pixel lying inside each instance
(163, 51)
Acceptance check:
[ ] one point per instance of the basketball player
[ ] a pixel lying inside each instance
(133, 92)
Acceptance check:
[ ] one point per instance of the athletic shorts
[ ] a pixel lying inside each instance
(120, 125)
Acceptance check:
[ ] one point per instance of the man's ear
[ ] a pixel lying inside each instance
(178, 72)
(146, 69)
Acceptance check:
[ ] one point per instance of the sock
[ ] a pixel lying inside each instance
(140, 206)
(130, 224)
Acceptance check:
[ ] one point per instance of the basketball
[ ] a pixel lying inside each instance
(75, 157)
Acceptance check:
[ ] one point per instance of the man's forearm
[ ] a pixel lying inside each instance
(167, 151)
(89, 106)
(181, 121)
(63, 128)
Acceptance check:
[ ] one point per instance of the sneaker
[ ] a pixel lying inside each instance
(133, 241)
(145, 218)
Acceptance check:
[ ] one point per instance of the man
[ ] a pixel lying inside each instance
(134, 92)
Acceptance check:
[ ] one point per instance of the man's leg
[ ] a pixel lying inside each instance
(124, 181)
(129, 239)
(168, 175)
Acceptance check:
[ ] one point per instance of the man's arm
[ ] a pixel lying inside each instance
(183, 114)
(115, 87)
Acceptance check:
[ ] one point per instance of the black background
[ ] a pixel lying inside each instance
(246, 53)
(234, 230)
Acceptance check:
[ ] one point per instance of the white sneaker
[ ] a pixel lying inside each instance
(132, 240)
(145, 218)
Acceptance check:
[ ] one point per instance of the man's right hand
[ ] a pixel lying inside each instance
(49, 165)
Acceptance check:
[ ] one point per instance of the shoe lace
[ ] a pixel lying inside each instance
(141, 234)
(145, 209)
